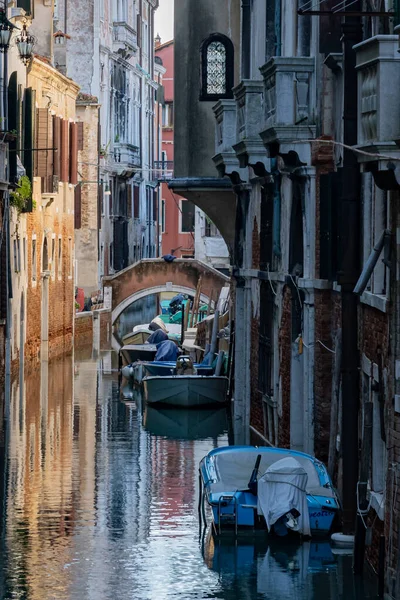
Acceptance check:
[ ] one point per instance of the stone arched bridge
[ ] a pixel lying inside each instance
(152, 276)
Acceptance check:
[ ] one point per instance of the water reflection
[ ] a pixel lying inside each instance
(101, 502)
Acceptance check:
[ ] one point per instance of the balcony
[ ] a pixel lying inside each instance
(124, 40)
(249, 111)
(163, 170)
(126, 157)
(289, 99)
(225, 158)
(3, 164)
(377, 63)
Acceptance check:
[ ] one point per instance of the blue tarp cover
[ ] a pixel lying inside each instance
(166, 351)
(157, 337)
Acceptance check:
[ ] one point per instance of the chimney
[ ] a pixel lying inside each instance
(157, 41)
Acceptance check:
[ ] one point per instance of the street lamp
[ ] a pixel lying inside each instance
(6, 28)
(25, 42)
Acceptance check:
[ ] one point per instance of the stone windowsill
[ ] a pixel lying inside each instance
(377, 501)
(377, 301)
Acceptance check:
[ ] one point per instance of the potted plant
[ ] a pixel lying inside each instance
(20, 197)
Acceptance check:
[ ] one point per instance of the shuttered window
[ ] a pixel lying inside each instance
(129, 201)
(78, 207)
(73, 154)
(56, 149)
(44, 143)
(26, 5)
(155, 196)
(13, 125)
(64, 145)
(136, 207)
(28, 157)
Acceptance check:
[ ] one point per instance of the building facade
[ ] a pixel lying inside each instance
(109, 49)
(311, 197)
(177, 215)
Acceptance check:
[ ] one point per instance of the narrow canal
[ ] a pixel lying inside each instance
(98, 500)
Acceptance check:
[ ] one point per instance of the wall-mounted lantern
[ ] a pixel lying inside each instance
(25, 42)
(6, 28)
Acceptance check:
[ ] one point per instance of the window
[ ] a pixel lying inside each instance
(53, 256)
(71, 258)
(16, 269)
(266, 361)
(210, 229)
(34, 272)
(45, 256)
(24, 249)
(186, 216)
(59, 257)
(216, 68)
(167, 115)
(136, 205)
(371, 393)
(111, 256)
(375, 208)
(162, 214)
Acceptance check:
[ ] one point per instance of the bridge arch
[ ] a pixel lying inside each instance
(151, 276)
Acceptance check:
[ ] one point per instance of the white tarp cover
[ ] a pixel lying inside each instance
(281, 488)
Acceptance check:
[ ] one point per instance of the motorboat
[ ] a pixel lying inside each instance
(281, 491)
(186, 390)
(179, 424)
(141, 333)
(157, 368)
(132, 353)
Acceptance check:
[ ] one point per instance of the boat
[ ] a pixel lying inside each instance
(178, 424)
(134, 352)
(186, 390)
(294, 492)
(141, 333)
(157, 368)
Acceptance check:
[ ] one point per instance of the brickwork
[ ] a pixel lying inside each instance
(255, 248)
(105, 330)
(322, 372)
(83, 330)
(86, 232)
(284, 371)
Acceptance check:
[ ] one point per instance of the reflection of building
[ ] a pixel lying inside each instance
(39, 490)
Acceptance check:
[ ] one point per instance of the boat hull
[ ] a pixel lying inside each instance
(186, 390)
(130, 354)
(225, 473)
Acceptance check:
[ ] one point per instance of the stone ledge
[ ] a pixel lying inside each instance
(375, 301)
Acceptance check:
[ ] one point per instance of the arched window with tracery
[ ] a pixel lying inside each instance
(216, 68)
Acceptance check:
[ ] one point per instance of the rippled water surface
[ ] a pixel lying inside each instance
(99, 501)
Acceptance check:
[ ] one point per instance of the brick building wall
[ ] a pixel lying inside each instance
(285, 345)
(322, 372)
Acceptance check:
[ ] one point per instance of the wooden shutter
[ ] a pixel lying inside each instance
(44, 141)
(56, 149)
(155, 196)
(139, 30)
(73, 154)
(64, 151)
(129, 201)
(78, 207)
(28, 120)
(136, 209)
(80, 135)
(13, 124)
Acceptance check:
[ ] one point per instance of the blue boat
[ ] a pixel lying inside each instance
(267, 488)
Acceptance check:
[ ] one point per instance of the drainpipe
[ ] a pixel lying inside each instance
(349, 243)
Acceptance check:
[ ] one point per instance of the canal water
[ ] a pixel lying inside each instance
(98, 500)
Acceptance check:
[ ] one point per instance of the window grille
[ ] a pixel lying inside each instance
(217, 67)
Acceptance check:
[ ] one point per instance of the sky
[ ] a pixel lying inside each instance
(164, 20)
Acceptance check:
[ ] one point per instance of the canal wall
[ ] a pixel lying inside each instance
(93, 330)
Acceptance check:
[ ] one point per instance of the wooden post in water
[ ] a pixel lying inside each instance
(359, 542)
